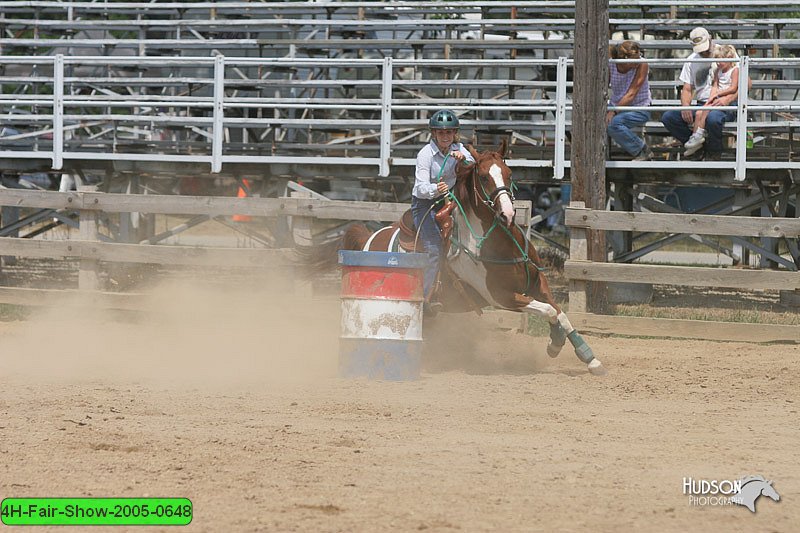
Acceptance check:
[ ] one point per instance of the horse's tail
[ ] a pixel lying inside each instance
(355, 237)
(321, 257)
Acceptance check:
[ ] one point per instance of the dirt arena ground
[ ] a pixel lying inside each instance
(235, 404)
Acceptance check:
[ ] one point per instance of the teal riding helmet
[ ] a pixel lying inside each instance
(443, 119)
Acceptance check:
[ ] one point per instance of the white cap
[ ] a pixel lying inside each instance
(701, 40)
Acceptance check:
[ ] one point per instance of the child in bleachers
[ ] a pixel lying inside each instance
(726, 83)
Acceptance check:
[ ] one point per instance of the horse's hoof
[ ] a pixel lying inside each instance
(553, 350)
(596, 368)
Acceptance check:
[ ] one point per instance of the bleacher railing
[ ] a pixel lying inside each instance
(385, 100)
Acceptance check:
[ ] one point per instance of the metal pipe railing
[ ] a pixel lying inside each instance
(215, 108)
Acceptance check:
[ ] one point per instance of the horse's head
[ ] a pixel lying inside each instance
(491, 183)
(768, 490)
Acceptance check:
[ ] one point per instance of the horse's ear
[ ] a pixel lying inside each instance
(502, 148)
(472, 151)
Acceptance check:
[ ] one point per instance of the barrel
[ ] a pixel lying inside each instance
(381, 331)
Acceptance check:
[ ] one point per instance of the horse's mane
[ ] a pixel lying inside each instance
(748, 479)
(464, 177)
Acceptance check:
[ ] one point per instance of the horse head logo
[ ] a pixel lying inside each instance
(752, 488)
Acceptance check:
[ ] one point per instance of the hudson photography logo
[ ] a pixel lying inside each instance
(744, 491)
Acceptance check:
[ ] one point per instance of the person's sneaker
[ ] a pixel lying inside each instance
(645, 155)
(695, 156)
(713, 156)
(694, 143)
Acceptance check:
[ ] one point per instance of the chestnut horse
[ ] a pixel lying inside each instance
(489, 262)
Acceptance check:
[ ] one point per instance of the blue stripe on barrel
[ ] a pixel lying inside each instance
(382, 259)
(392, 360)
(381, 330)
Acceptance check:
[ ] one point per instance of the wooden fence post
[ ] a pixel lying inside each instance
(578, 251)
(589, 136)
(303, 236)
(9, 215)
(88, 278)
(523, 211)
(302, 226)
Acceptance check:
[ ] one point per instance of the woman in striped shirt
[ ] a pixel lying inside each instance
(629, 87)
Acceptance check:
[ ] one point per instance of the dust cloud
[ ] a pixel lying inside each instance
(200, 330)
(190, 332)
(474, 344)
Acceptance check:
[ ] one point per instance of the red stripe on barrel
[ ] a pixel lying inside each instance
(385, 284)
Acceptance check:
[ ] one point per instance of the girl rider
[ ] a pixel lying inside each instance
(435, 175)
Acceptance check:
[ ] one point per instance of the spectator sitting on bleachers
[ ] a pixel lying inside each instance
(725, 84)
(629, 87)
(697, 79)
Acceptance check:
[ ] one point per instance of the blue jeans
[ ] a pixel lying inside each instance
(619, 129)
(430, 236)
(679, 129)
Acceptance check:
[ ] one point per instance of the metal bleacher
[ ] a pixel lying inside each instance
(342, 90)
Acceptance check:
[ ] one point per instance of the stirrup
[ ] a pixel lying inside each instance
(432, 309)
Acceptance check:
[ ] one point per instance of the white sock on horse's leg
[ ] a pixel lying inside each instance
(542, 309)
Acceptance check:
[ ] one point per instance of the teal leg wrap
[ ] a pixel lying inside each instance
(557, 339)
(582, 349)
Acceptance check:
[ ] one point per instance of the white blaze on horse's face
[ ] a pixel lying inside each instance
(506, 207)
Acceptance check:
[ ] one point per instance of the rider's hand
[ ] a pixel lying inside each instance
(609, 116)
(441, 187)
(455, 154)
(687, 116)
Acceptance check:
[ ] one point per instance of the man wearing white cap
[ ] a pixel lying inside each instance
(697, 79)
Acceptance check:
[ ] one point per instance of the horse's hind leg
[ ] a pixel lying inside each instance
(558, 337)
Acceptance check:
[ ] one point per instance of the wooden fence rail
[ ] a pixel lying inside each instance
(204, 205)
(90, 250)
(683, 223)
(579, 270)
(142, 253)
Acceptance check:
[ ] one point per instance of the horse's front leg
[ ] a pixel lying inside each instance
(560, 330)
(582, 350)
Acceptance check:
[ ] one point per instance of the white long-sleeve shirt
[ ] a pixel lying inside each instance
(429, 163)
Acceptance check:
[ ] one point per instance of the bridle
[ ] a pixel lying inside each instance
(489, 199)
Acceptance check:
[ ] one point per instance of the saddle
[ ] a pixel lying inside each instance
(444, 219)
(408, 231)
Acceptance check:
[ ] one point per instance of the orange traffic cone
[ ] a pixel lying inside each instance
(242, 194)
